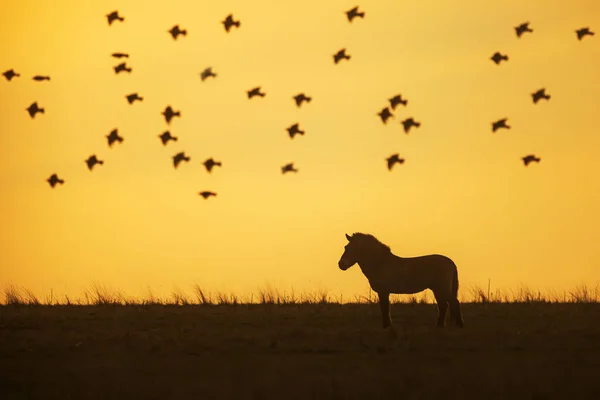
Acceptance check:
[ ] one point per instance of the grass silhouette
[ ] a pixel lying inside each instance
(101, 295)
(275, 344)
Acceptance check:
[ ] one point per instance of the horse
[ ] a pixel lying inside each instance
(388, 273)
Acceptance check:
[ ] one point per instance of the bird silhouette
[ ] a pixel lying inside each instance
(169, 114)
(228, 22)
(175, 31)
(113, 137)
(33, 109)
(522, 28)
(178, 158)
(121, 68)
(397, 100)
(10, 74)
(207, 194)
(294, 130)
(54, 180)
(133, 97)
(353, 13)
(92, 160)
(207, 73)
(301, 97)
(341, 54)
(165, 137)
(497, 58)
(394, 159)
(120, 55)
(409, 123)
(210, 163)
(255, 92)
(501, 123)
(529, 159)
(539, 94)
(114, 16)
(583, 32)
(385, 114)
(288, 168)
(40, 78)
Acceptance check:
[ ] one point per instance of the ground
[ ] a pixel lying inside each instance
(298, 351)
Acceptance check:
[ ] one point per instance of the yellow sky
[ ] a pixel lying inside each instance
(136, 222)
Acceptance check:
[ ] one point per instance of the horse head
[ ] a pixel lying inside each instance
(350, 256)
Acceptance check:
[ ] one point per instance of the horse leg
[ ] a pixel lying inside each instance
(442, 304)
(384, 303)
(455, 313)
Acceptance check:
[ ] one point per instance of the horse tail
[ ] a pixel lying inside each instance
(455, 282)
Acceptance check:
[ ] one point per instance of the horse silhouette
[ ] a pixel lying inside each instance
(388, 273)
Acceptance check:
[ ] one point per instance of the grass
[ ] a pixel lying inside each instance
(519, 344)
(101, 295)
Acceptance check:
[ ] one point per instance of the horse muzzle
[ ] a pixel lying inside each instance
(344, 265)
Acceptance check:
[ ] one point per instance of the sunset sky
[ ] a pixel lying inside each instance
(136, 222)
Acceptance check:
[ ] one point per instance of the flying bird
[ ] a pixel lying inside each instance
(522, 28)
(121, 68)
(133, 97)
(175, 31)
(210, 163)
(255, 92)
(394, 159)
(294, 130)
(497, 58)
(409, 123)
(54, 180)
(228, 22)
(10, 74)
(40, 78)
(179, 157)
(288, 168)
(207, 194)
(397, 100)
(92, 160)
(353, 13)
(169, 114)
(583, 32)
(501, 123)
(120, 55)
(529, 159)
(165, 137)
(207, 73)
(341, 54)
(113, 137)
(301, 97)
(385, 114)
(114, 16)
(539, 94)
(33, 109)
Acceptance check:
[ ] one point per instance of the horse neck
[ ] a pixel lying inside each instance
(373, 261)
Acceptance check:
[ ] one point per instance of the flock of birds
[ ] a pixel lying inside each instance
(169, 113)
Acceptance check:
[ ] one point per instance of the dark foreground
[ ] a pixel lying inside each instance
(506, 351)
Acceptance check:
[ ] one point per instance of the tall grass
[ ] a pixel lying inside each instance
(103, 295)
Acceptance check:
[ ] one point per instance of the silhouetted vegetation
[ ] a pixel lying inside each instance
(277, 344)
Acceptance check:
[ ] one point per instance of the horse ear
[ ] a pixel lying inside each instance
(348, 237)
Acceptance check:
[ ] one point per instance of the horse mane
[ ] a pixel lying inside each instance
(370, 243)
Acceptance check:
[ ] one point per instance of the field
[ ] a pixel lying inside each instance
(519, 350)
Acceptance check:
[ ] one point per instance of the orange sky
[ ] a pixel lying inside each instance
(136, 222)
